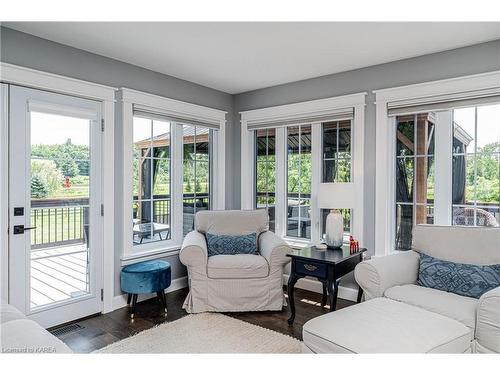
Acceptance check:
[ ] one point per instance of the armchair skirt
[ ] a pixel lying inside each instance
(234, 282)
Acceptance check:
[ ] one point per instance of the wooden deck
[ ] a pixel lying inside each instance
(58, 273)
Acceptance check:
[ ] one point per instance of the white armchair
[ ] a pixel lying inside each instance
(395, 277)
(241, 282)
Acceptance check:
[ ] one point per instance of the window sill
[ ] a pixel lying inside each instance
(135, 257)
(297, 243)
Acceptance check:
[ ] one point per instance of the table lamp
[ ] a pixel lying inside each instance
(333, 196)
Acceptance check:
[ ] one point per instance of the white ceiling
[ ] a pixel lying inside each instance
(239, 57)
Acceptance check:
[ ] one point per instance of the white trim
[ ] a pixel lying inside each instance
(219, 168)
(443, 164)
(62, 110)
(4, 191)
(385, 141)
(247, 168)
(108, 199)
(127, 99)
(358, 173)
(312, 109)
(173, 107)
(148, 255)
(18, 75)
(447, 87)
(312, 285)
(22, 76)
(121, 300)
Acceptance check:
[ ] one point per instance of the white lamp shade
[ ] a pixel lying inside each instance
(336, 195)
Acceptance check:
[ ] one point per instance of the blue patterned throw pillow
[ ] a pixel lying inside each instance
(223, 244)
(464, 279)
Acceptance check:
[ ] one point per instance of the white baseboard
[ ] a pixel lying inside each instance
(349, 294)
(121, 300)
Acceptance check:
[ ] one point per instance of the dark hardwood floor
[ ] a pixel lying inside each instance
(98, 331)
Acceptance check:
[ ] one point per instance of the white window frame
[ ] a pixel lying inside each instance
(291, 112)
(427, 92)
(127, 98)
(17, 75)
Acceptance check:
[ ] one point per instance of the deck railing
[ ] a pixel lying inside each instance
(58, 221)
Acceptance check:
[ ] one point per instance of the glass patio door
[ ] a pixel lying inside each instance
(55, 270)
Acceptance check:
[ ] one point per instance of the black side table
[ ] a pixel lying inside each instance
(328, 266)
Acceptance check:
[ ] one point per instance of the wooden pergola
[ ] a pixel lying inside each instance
(162, 142)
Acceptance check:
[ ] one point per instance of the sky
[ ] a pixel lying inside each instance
(49, 129)
(488, 123)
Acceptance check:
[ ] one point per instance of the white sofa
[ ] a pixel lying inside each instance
(401, 316)
(242, 282)
(18, 334)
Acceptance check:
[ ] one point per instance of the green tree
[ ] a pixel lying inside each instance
(483, 178)
(68, 166)
(39, 188)
(48, 172)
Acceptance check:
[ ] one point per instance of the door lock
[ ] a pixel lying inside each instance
(19, 229)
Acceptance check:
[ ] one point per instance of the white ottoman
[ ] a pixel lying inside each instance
(382, 325)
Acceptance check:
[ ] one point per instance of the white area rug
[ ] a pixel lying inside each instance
(206, 333)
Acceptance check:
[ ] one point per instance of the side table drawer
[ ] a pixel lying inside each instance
(311, 268)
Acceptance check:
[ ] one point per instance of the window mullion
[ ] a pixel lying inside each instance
(177, 181)
(316, 162)
(281, 185)
(475, 166)
(151, 164)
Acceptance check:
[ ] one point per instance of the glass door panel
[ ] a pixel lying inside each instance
(60, 191)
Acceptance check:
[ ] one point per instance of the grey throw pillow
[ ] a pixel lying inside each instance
(223, 244)
(464, 279)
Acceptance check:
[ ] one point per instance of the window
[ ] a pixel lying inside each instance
(289, 151)
(414, 175)
(151, 185)
(265, 173)
(476, 166)
(453, 179)
(337, 161)
(337, 151)
(299, 178)
(473, 187)
(173, 167)
(196, 169)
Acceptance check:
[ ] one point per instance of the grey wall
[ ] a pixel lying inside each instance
(37, 53)
(463, 61)
(26, 50)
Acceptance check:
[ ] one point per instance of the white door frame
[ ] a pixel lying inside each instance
(4, 190)
(23, 101)
(106, 95)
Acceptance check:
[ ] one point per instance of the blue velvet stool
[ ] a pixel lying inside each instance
(151, 276)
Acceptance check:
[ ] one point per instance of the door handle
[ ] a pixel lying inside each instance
(20, 229)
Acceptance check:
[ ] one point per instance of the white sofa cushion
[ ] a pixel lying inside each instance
(26, 336)
(239, 266)
(451, 305)
(471, 245)
(382, 325)
(488, 322)
(232, 222)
